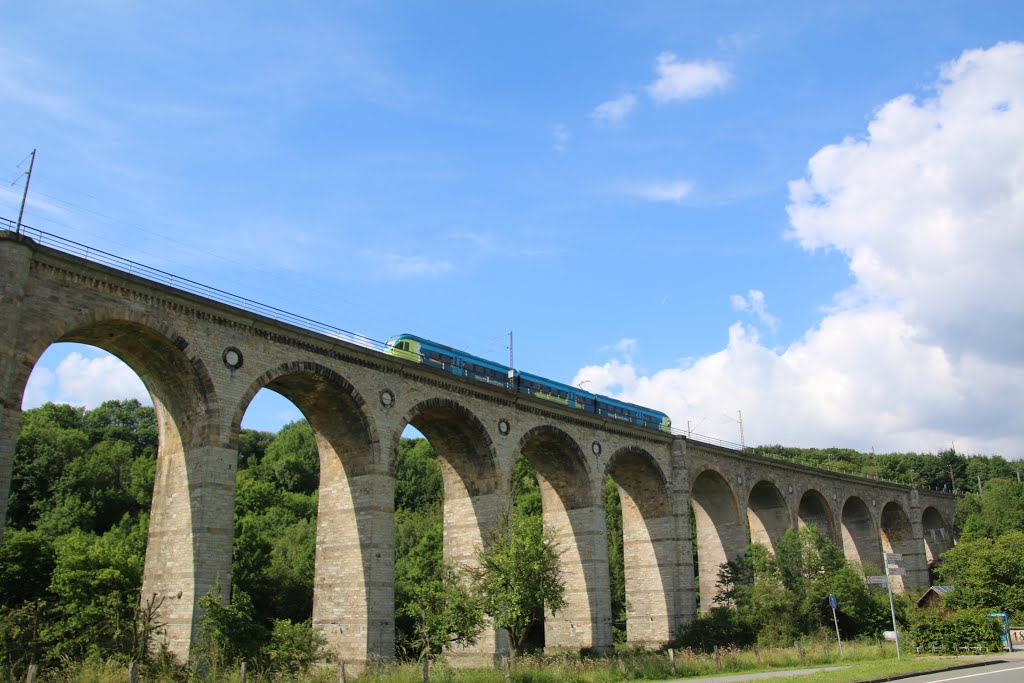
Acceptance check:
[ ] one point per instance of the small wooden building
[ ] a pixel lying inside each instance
(932, 598)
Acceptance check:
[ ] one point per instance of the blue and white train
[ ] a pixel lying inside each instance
(419, 350)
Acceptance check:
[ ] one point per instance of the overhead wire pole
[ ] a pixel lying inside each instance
(24, 195)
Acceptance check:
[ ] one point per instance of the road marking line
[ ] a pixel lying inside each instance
(983, 673)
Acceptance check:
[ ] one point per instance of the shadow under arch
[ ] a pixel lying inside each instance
(721, 534)
(575, 513)
(897, 536)
(649, 545)
(353, 586)
(936, 535)
(860, 537)
(815, 511)
(191, 459)
(474, 503)
(767, 514)
(469, 472)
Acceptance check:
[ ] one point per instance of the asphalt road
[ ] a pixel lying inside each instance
(1007, 672)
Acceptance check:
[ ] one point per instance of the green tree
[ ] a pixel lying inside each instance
(418, 483)
(49, 437)
(986, 573)
(525, 489)
(998, 510)
(228, 634)
(252, 446)
(127, 422)
(294, 647)
(443, 610)
(292, 458)
(95, 584)
(781, 595)
(520, 575)
(27, 560)
(418, 554)
(616, 559)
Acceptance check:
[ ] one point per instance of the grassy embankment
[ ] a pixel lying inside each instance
(861, 661)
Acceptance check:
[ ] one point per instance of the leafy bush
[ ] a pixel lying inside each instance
(720, 626)
(966, 628)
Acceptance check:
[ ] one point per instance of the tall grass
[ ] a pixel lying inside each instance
(627, 665)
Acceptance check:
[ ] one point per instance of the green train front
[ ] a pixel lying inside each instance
(459, 363)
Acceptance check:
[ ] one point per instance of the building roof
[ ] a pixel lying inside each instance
(938, 590)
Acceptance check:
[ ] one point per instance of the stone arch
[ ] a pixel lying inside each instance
(469, 468)
(936, 535)
(179, 383)
(473, 500)
(189, 543)
(767, 514)
(721, 533)
(860, 538)
(815, 510)
(353, 585)
(575, 513)
(897, 537)
(649, 545)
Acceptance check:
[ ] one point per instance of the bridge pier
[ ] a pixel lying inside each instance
(585, 623)
(190, 534)
(15, 261)
(354, 582)
(684, 598)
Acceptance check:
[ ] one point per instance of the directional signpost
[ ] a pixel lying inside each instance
(833, 604)
(892, 568)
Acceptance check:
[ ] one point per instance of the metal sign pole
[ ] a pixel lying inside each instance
(892, 606)
(833, 604)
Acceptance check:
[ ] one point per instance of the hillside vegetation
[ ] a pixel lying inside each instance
(73, 550)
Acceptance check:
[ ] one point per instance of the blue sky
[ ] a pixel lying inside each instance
(807, 212)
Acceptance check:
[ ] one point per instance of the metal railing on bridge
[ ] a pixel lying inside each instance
(162, 277)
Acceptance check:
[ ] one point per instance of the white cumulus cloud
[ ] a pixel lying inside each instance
(754, 303)
(83, 381)
(686, 80)
(927, 347)
(91, 381)
(929, 205)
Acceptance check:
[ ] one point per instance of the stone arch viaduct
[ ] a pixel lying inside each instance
(203, 361)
